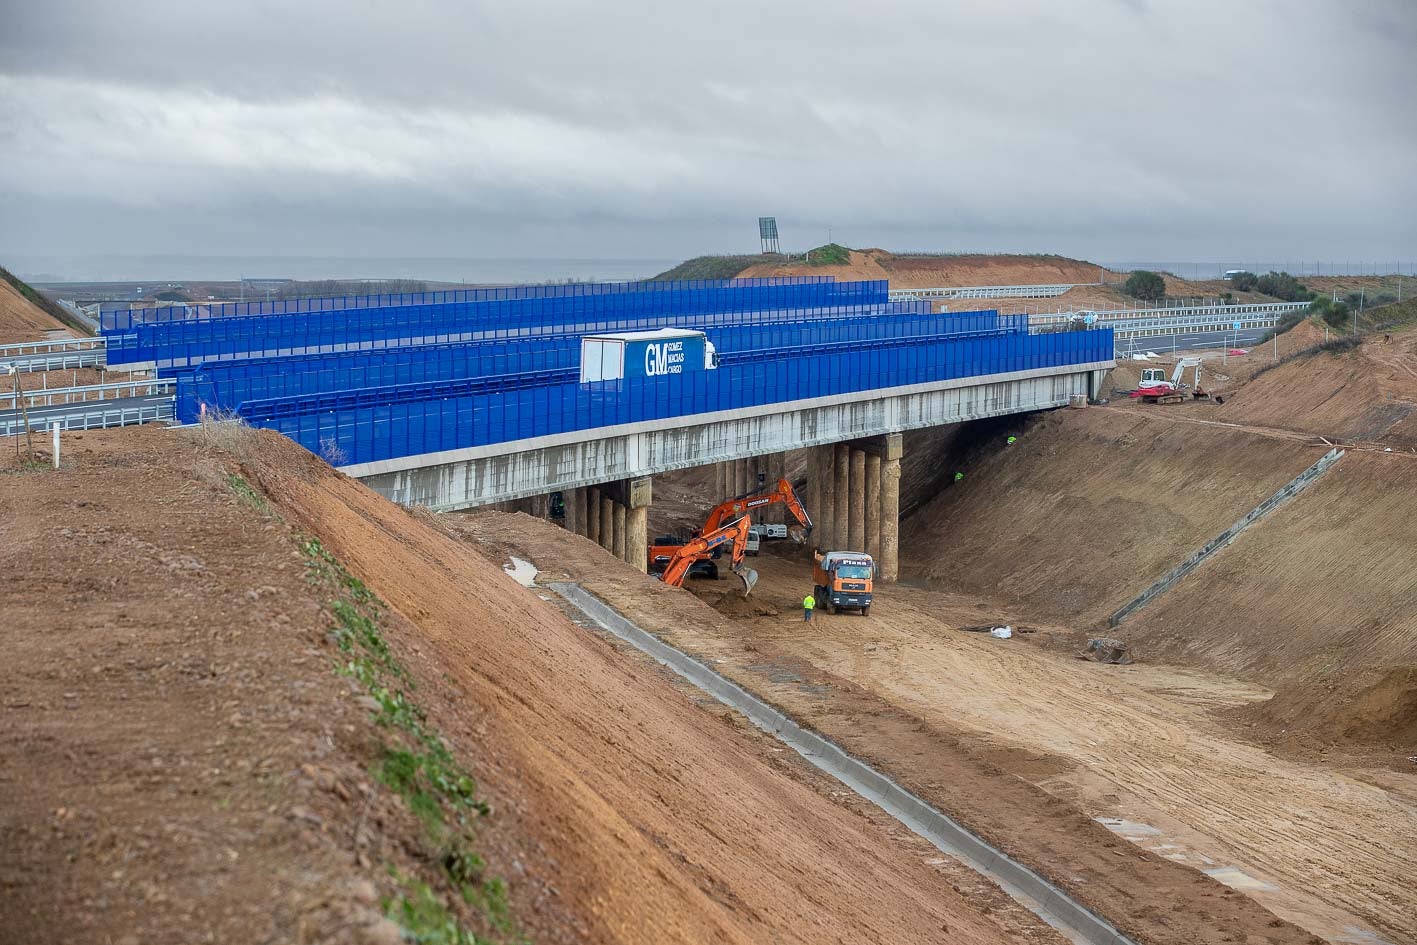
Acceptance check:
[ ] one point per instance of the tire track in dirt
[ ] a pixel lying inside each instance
(1314, 832)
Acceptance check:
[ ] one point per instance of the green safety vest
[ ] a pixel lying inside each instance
(809, 602)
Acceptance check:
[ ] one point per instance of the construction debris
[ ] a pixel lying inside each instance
(1104, 650)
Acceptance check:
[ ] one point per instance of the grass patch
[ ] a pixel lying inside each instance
(1333, 346)
(714, 267)
(246, 493)
(416, 765)
(830, 254)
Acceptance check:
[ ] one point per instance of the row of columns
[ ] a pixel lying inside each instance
(854, 499)
(614, 515)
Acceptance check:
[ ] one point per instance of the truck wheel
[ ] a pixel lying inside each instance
(866, 611)
(831, 608)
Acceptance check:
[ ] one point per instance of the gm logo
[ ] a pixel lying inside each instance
(665, 357)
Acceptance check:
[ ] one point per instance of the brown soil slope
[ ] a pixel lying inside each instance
(1366, 394)
(932, 271)
(1319, 600)
(20, 319)
(180, 761)
(664, 824)
(1091, 506)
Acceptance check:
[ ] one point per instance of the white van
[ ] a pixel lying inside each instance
(755, 539)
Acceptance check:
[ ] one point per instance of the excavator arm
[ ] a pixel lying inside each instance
(736, 532)
(783, 493)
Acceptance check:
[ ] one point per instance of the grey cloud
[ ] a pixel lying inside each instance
(1113, 128)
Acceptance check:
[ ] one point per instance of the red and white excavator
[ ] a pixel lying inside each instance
(1156, 388)
(703, 546)
(665, 547)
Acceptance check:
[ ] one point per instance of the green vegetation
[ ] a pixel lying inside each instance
(45, 304)
(417, 765)
(1336, 314)
(715, 267)
(246, 493)
(830, 254)
(1146, 285)
(1281, 285)
(1244, 281)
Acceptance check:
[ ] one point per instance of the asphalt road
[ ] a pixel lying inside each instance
(1245, 338)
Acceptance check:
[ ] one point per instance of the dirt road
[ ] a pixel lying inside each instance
(1015, 792)
(1323, 848)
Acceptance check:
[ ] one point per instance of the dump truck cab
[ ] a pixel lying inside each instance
(843, 579)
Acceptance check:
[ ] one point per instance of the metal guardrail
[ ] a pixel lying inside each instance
(1223, 312)
(987, 292)
(65, 355)
(92, 416)
(57, 396)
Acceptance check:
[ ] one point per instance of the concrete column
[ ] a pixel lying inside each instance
(572, 500)
(890, 510)
(541, 506)
(619, 544)
(841, 496)
(592, 518)
(814, 492)
(637, 523)
(873, 505)
(856, 514)
(721, 486)
(742, 487)
(607, 522)
(826, 515)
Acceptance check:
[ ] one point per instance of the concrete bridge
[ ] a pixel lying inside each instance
(603, 474)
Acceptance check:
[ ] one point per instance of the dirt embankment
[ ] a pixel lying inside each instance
(1317, 602)
(22, 320)
(1366, 394)
(657, 821)
(907, 272)
(1088, 507)
(181, 763)
(189, 763)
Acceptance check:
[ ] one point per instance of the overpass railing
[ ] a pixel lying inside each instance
(988, 291)
(370, 425)
(186, 343)
(119, 316)
(228, 384)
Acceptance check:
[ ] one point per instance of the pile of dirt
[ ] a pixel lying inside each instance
(1088, 507)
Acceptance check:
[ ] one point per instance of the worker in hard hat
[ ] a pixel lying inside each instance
(1013, 440)
(809, 603)
(959, 477)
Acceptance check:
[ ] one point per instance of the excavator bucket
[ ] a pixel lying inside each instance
(749, 577)
(797, 533)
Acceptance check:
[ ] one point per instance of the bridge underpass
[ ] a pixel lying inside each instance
(603, 474)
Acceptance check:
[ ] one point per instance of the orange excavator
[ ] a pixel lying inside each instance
(703, 546)
(664, 548)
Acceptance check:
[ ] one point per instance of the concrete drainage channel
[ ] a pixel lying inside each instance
(1041, 897)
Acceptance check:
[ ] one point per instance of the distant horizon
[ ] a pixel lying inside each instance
(194, 267)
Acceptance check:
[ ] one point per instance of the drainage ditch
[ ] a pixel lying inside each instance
(1047, 901)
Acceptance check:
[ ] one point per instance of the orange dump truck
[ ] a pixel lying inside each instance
(843, 579)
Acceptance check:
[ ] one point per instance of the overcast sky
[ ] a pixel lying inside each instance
(1112, 129)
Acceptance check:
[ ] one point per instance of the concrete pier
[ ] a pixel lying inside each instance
(638, 496)
(873, 505)
(841, 497)
(856, 513)
(826, 511)
(592, 519)
(889, 569)
(607, 522)
(617, 544)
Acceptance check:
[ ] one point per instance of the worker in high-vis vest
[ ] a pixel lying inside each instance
(809, 604)
(1013, 440)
